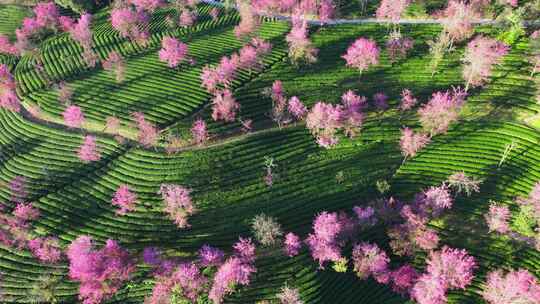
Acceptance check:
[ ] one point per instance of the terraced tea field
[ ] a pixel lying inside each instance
(226, 175)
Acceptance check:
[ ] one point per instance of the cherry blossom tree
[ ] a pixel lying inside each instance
(403, 279)
(497, 218)
(429, 289)
(224, 106)
(324, 121)
(6, 47)
(458, 19)
(436, 199)
(112, 124)
(73, 117)
(173, 51)
(301, 48)
(101, 272)
(398, 46)
(249, 22)
(25, 212)
(362, 54)
(125, 199)
(8, 95)
(18, 189)
(178, 203)
(411, 142)
(147, 5)
(515, 286)
(370, 260)
(80, 32)
(480, 56)
(297, 109)
(236, 270)
(130, 23)
(413, 235)
(391, 10)
(408, 101)
(351, 116)
(148, 134)
(46, 250)
(199, 132)
(116, 64)
(454, 266)
(210, 256)
(88, 151)
(442, 110)
(381, 101)
(293, 244)
(326, 240)
(185, 282)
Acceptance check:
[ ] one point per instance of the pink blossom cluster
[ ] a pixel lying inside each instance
(249, 21)
(236, 270)
(435, 199)
(397, 47)
(515, 286)
(46, 18)
(148, 134)
(330, 230)
(88, 151)
(224, 106)
(210, 256)
(447, 269)
(412, 142)
(362, 54)
(147, 5)
(6, 47)
(178, 203)
(283, 110)
(199, 132)
(324, 120)
(391, 9)
(458, 19)
(460, 182)
(173, 51)
(73, 116)
(497, 218)
(442, 110)
(46, 250)
(125, 199)
(403, 279)
(289, 296)
(130, 23)
(413, 234)
(101, 272)
(408, 101)
(186, 281)
(8, 95)
(480, 56)
(369, 260)
(292, 244)
(116, 64)
(301, 48)
(80, 30)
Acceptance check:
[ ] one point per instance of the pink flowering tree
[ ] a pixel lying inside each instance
(413, 235)
(199, 132)
(329, 232)
(130, 23)
(33, 29)
(80, 32)
(411, 142)
(370, 260)
(236, 271)
(398, 46)
(173, 51)
(249, 22)
(442, 110)
(6, 47)
(391, 10)
(324, 120)
(408, 101)
(101, 272)
(210, 256)
(73, 117)
(351, 116)
(88, 151)
(497, 218)
(301, 48)
(178, 203)
(8, 95)
(297, 109)
(124, 199)
(362, 54)
(115, 63)
(289, 295)
(185, 282)
(46, 250)
(292, 244)
(403, 279)
(18, 189)
(480, 56)
(266, 229)
(458, 19)
(224, 106)
(436, 199)
(515, 286)
(148, 134)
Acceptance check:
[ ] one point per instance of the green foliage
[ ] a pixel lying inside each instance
(524, 221)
